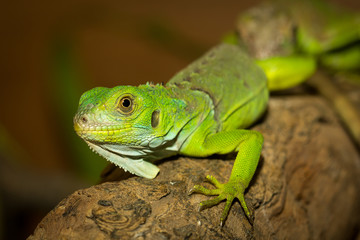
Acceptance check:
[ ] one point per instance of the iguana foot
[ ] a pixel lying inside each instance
(228, 191)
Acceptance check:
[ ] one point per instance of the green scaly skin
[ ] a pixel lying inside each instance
(201, 111)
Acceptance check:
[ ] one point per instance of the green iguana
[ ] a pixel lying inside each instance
(201, 111)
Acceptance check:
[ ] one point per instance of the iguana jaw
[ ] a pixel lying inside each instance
(138, 167)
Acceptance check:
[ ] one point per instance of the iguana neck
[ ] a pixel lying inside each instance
(180, 111)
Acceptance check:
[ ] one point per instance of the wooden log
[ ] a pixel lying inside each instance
(306, 187)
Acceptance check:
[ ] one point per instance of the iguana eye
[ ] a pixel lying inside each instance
(126, 104)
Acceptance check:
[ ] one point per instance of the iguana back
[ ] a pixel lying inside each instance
(235, 84)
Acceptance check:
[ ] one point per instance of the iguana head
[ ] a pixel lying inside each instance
(124, 124)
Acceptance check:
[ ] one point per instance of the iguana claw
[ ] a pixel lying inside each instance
(228, 191)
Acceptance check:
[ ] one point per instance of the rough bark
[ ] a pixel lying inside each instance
(306, 187)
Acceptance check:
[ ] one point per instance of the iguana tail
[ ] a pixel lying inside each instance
(283, 72)
(287, 72)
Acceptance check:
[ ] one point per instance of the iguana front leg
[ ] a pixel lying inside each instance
(248, 144)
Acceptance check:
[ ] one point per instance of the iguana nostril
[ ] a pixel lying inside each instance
(84, 119)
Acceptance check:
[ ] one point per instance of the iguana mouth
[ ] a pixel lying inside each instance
(82, 124)
(94, 132)
(91, 131)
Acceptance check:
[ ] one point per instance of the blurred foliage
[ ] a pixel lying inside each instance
(66, 85)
